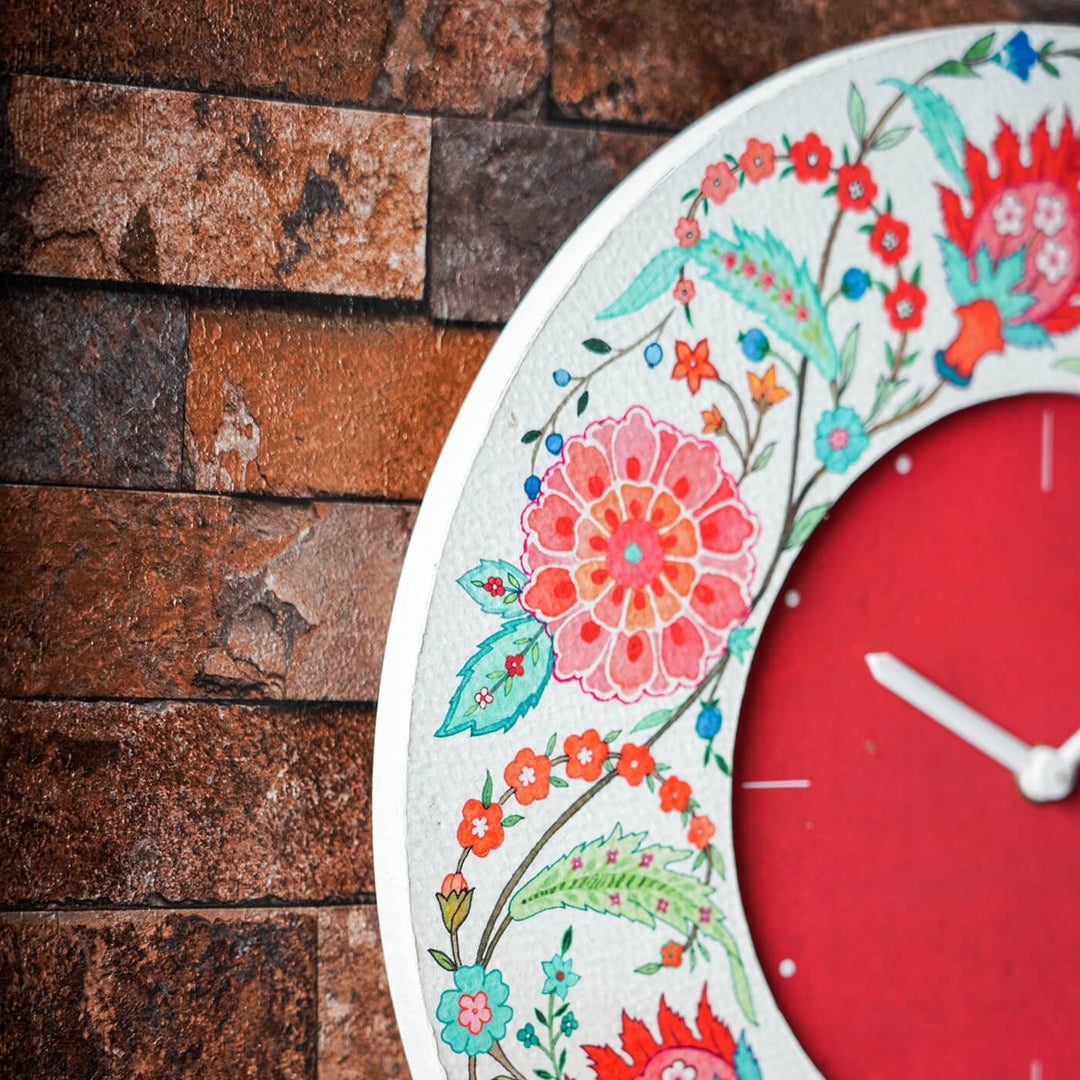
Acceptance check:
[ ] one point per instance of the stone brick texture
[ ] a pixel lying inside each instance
(252, 256)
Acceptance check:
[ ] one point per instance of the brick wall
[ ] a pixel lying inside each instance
(253, 255)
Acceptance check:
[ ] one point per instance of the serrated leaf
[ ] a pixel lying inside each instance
(473, 581)
(567, 940)
(596, 345)
(1069, 363)
(550, 745)
(647, 969)
(530, 436)
(806, 524)
(848, 353)
(657, 278)
(485, 796)
(741, 641)
(726, 264)
(512, 820)
(956, 68)
(583, 402)
(941, 126)
(464, 714)
(888, 139)
(442, 960)
(746, 1065)
(856, 110)
(981, 48)
(763, 458)
(654, 719)
(557, 781)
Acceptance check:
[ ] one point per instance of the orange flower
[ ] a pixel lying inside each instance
(672, 954)
(764, 391)
(693, 364)
(674, 794)
(700, 832)
(713, 420)
(758, 161)
(635, 764)
(587, 754)
(480, 827)
(529, 775)
(453, 883)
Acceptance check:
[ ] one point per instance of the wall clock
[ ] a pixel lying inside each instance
(801, 390)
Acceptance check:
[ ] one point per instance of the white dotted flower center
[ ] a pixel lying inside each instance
(479, 826)
(526, 776)
(584, 755)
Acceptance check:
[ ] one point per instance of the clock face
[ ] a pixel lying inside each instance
(594, 857)
(906, 891)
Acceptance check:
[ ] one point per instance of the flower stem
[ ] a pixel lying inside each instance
(499, 1055)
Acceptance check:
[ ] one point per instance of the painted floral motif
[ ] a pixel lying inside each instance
(474, 1014)
(641, 554)
(586, 755)
(480, 827)
(529, 775)
(840, 439)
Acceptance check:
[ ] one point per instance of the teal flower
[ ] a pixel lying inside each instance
(841, 438)
(560, 975)
(475, 1012)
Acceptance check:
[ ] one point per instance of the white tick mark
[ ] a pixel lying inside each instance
(787, 968)
(903, 464)
(773, 785)
(792, 598)
(1046, 480)
(1036, 1070)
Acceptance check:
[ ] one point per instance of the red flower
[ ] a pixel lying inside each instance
(480, 827)
(587, 754)
(693, 364)
(889, 240)
(674, 794)
(453, 883)
(687, 232)
(905, 306)
(672, 954)
(719, 182)
(684, 291)
(758, 161)
(529, 775)
(767, 280)
(811, 158)
(855, 187)
(635, 764)
(700, 832)
(514, 665)
(494, 585)
(729, 259)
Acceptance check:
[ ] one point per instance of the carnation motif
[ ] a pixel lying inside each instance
(640, 551)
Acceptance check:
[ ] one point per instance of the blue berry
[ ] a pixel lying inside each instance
(553, 442)
(561, 377)
(709, 721)
(653, 354)
(532, 487)
(755, 345)
(854, 283)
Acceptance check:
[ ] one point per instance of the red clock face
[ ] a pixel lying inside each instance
(914, 914)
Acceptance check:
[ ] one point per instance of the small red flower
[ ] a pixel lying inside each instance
(672, 954)
(494, 585)
(514, 665)
(480, 827)
(719, 182)
(889, 240)
(674, 794)
(635, 763)
(759, 161)
(787, 294)
(587, 754)
(453, 883)
(749, 269)
(729, 259)
(905, 306)
(687, 232)
(700, 832)
(529, 775)
(693, 364)
(767, 280)
(684, 291)
(855, 187)
(811, 158)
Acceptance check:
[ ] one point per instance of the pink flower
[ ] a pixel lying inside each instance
(787, 294)
(728, 259)
(684, 291)
(768, 279)
(749, 270)
(719, 182)
(687, 232)
(640, 553)
(802, 313)
(473, 1011)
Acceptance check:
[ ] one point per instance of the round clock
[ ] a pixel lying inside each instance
(725, 728)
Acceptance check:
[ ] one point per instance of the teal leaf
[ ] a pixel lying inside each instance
(654, 719)
(657, 278)
(465, 714)
(763, 458)
(567, 940)
(596, 345)
(941, 126)
(741, 641)
(746, 1066)
(806, 524)
(1027, 335)
(1069, 363)
(727, 264)
(856, 110)
(983, 279)
(473, 581)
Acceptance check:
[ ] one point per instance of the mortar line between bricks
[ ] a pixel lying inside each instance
(361, 899)
(281, 704)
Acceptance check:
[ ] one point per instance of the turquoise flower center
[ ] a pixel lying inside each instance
(632, 553)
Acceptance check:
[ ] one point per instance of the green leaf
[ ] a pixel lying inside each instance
(805, 526)
(689, 195)
(741, 641)
(567, 940)
(544, 1074)
(648, 969)
(848, 352)
(550, 745)
(442, 960)
(541, 1017)
(941, 126)
(724, 767)
(473, 581)
(611, 736)
(562, 1008)
(888, 139)
(909, 404)
(955, 67)
(885, 390)
(738, 972)
(981, 48)
(485, 796)
(654, 719)
(464, 714)
(856, 110)
(530, 436)
(557, 781)
(725, 262)
(657, 278)
(763, 458)
(1049, 68)
(1069, 363)
(583, 402)
(716, 859)
(513, 819)
(596, 345)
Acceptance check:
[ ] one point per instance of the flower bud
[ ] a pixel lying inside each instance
(455, 899)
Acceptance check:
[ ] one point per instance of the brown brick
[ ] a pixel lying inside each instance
(181, 996)
(504, 197)
(185, 801)
(669, 63)
(126, 594)
(358, 1038)
(91, 386)
(296, 403)
(456, 56)
(185, 189)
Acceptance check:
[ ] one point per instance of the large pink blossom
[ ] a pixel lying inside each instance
(640, 552)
